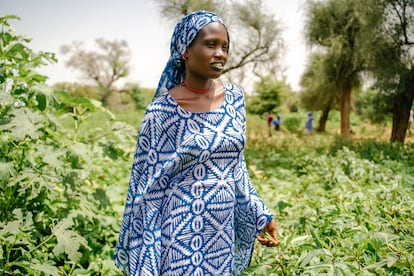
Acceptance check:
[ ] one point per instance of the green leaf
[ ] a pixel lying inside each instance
(3, 75)
(4, 19)
(46, 269)
(391, 259)
(10, 232)
(306, 258)
(19, 91)
(6, 99)
(68, 241)
(41, 102)
(71, 101)
(38, 78)
(6, 170)
(299, 240)
(316, 239)
(64, 97)
(52, 156)
(24, 123)
(11, 227)
(13, 46)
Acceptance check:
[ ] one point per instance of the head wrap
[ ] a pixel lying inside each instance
(184, 33)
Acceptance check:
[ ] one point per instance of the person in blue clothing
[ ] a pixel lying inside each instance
(309, 127)
(191, 208)
(277, 122)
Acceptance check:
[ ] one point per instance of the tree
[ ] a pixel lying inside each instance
(318, 90)
(267, 96)
(256, 43)
(335, 25)
(374, 106)
(390, 44)
(103, 66)
(175, 8)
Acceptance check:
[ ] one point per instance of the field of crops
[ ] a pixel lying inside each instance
(343, 207)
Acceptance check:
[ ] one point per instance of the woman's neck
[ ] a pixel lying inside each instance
(198, 88)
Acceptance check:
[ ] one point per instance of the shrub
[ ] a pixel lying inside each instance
(57, 215)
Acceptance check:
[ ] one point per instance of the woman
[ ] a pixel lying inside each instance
(190, 208)
(308, 127)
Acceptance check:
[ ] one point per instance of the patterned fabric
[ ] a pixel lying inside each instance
(184, 33)
(190, 208)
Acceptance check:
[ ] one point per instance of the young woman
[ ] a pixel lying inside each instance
(190, 208)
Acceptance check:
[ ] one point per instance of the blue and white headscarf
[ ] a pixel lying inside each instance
(184, 33)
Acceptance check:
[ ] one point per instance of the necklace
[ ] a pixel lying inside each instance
(200, 91)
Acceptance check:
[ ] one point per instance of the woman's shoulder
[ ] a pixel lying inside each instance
(236, 89)
(235, 93)
(232, 86)
(158, 106)
(162, 100)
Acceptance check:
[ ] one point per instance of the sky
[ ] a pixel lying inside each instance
(53, 23)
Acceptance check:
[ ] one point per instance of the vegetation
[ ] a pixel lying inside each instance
(355, 41)
(390, 42)
(266, 97)
(57, 176)
(335, 25)
(343, 206)
(103, 67)
(319, 89)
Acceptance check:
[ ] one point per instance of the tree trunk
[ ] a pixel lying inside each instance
(401, 111)
(345, 111)
(106, 94)
(323, 119)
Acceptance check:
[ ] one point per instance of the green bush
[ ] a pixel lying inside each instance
(57, 213)
(294, 122)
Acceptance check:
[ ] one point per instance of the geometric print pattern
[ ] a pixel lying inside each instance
(190, 207)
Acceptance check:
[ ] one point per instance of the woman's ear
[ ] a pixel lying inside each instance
(185, 56)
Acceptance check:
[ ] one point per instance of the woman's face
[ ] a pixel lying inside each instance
(207, 54)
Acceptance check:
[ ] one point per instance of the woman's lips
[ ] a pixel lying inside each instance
(217, 66)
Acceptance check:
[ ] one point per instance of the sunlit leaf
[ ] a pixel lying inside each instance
(24, 123)
(68, 241)
(6, 170)
(46, 269)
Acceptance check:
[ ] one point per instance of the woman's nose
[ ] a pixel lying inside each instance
(219, 52)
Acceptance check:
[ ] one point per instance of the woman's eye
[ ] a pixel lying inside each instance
(211, 44)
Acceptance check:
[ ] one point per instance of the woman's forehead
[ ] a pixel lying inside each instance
(213, 29)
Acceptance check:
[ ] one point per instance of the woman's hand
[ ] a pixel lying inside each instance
(269, 235)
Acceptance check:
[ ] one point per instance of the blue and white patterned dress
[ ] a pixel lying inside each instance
(190, 209)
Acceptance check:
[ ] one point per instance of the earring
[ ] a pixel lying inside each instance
(185, 56)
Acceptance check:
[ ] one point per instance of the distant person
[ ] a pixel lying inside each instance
(277, 122)
(270, 118)
(309, 127)
(410, 121)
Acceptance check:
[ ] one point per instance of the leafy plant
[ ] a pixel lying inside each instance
(56, 217)
(339, 212)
